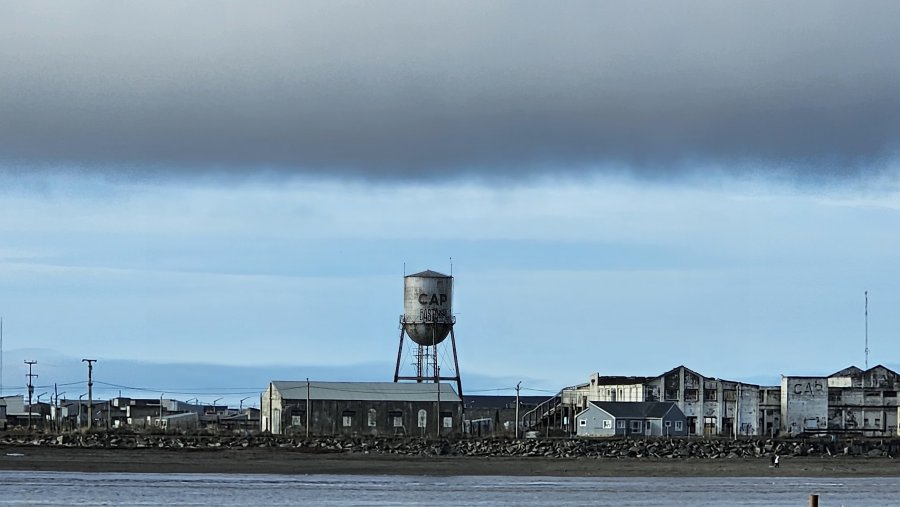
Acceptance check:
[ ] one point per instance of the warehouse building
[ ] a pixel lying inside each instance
(361, 408)
(852, 401)
(711, 406)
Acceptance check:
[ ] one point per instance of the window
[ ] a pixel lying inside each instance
(710, 394)
(835, 395)
(583, 422)
(447, 418)
(395, 417)
(729, 394)
(373, 416)
(672, 394)
(607, 424)
(423, 418)
(679, 425)
(620, 424)
(691, 395)
(348, 418)
(668, 424)
(635, 426)
(890, 394)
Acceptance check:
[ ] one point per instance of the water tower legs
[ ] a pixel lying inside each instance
(399, 357)
(424, 363)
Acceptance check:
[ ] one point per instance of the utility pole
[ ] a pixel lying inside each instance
(30, 388)
(307, 407)
(518, 387)
(90, 363)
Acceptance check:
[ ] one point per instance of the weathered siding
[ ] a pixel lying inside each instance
(359, 417)
(804, 404)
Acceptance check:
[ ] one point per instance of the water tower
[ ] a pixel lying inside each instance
(427, 320)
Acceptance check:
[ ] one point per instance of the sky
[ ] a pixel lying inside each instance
(206, 197)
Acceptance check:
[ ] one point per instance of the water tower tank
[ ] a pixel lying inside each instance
(427, 303)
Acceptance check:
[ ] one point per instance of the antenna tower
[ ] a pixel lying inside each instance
(867, 329)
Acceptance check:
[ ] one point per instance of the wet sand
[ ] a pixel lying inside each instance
(287, 461)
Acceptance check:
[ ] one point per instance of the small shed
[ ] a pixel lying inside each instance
(646, 418)
(183, 421)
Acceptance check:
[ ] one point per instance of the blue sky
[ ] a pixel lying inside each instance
(244, 192)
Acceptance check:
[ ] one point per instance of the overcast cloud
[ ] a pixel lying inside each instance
(430, 90)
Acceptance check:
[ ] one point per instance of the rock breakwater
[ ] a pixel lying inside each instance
(625, 448)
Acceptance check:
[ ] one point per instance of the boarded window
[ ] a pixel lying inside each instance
(423, 418)
(373, 418)
(396, 418)
(347, 418)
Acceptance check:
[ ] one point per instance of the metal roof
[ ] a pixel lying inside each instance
(504, 401)
(429, 274)
(365, 391)
(613, 380)
(635, 409)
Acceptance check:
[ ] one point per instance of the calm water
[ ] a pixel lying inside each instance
(60, 488)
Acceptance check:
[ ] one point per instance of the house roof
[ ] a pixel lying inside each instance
(365, 391)
(635, 409)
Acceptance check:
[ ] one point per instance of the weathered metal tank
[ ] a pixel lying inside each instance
(427, 305)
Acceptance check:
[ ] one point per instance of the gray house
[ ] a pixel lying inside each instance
(360, 408)
(645, 418)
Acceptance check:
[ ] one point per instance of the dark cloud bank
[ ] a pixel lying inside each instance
(427, 90)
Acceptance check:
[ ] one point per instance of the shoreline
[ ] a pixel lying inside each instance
(292, 462)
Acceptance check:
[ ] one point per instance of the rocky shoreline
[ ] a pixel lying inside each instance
(623, 448)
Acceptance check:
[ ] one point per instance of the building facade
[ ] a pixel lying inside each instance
(850, 401)
(619, 419)
(361, 408)
(711, 406)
